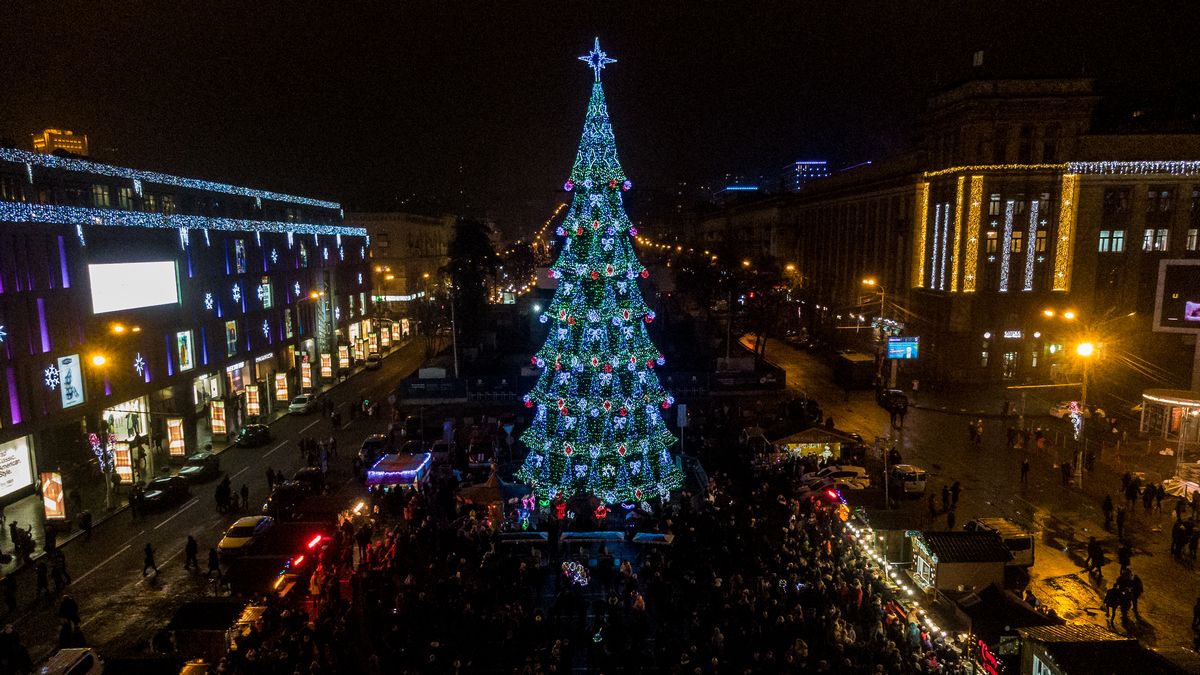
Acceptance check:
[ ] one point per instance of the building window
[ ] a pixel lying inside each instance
(100, 197)
(1196, 204)
(1050, 143)
(1041, 241)
(150, 203)
(1025, 147)
(983, 358)
(1116, 200)
(992, 241)
(1040, 668)
(1155, 239)
(1112, 241)
(1158, 200)
(1191, 239)
(994, 205)
(239, 256)
(125, 198)
(10, 190)
(1000, 145)
(1015, 246)
(168, 204)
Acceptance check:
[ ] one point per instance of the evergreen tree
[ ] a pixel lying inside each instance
(597, 425)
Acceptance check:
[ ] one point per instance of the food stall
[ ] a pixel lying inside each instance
(402, 471)
(826, 444)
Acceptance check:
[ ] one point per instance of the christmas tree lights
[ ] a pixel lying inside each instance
(598, 427)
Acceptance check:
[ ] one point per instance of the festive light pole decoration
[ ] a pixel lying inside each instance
(50, 375)
(208, 301)
(139, 364)
(597, 407)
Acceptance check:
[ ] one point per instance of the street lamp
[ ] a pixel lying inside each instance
(874, 283)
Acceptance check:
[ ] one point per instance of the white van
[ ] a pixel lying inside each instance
(73, 661)
(907, 479)
(1018, 540)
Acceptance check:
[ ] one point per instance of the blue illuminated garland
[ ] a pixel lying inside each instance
(138, 176)
(20, 212)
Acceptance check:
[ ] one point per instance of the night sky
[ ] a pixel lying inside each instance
(376, 103)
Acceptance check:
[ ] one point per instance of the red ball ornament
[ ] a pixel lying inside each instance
(608, 367)
(564, 411)
(648, 319)
(528, 404)
(595, 275)
(550, 273)
(558, 366)
(649, 363)
(625, 314)
(579, 230)
(612, 184)
(622, 412)
(665, 405)
(638, 493)
(595, 224)
(645, 274)
(607, 405)
(533, 360)
(570, 320)
(595, 361)
(561, 402)
(621, 451)
(567, 450)
(608, 269)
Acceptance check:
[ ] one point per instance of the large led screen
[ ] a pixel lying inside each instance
(120, 286)
(16, 470)
(1178, 301)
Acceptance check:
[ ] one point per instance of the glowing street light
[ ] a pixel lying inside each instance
(1085, 349)
(99, 359)
(1069, 315)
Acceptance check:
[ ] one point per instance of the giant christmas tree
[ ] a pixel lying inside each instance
(598, 426)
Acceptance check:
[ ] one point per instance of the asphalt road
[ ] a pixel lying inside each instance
(1063, 517)
(120, 609)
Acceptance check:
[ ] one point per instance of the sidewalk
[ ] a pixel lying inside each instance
(30, 511)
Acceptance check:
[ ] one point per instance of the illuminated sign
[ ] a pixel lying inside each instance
(385, 336)
(53, 503)
(281, 387)
(252, 406)
(217, 408)
(175, 442)
(905, 347)
(121, 286)
(326, 366)
(1013, 335)
(263, 357)
(235, 367)
(343, 356)
(16, 471)
(70, 375)
(185, 350)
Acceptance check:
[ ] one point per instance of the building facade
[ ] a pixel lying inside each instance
(799, 173)
(142, 310)
(1017, 224)
(51, 140)
(410, 251)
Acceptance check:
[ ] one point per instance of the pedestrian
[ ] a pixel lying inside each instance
(1121, 514)
(1065, 468)
(43, 578)
(1124, 555)
(1159, 495)
(894, 416)
(979, 432)
(245, 491)
(1193, 543)
(270, 479)
(916, 389)
(190, 550)
(971, 432)
(1025, 471)
(56, 578)
(1112, 600)
(903, 412)
(68, 610)
(950, 519)
(945, 497)
(214, 564)
(829, 422)
(955, 488)
(1136, 590)
(148, 560)
(1095, 558)
(1012, 436)
(1107, 507)
(1148, 496)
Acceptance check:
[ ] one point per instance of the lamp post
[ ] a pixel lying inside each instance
(874, 283)
(1085, 351)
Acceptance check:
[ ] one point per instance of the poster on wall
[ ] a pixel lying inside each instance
(326, 366)
(184, 350)
(343, 356)
(230, 338)
(305, 376)
(385, 336)
(404, 327)
(16, 471)
(281, 387)
(53, 503)
(123, 461)
(395, 333)
(252, 406)
(373, 342)
(70, 375)
(175, 442)
(217, 410)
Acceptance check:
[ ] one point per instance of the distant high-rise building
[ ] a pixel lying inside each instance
(796, 174)
(60, 139)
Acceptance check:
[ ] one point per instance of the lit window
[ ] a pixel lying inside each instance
(983, 358)
(1192, 239)
(992, 241)
(125, 198)
(239, 256)
(100, 196)
(1041, 241)
(994, 205)
(1118, 241)
(1015, 245)
(1155, 239)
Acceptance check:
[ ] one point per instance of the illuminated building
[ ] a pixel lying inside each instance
(1019, 195)
(409, 251)
(50, 140)
(156, 308)
(797, 174)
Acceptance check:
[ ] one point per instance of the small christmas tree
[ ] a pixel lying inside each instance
(598, 404)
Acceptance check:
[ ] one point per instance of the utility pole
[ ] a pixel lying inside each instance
(453, 329)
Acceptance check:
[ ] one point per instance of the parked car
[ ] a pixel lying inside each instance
(374, 447)
(373, 362)
(302, 404)
(200, 467)
(847, 472)
(1063, 408)
(73, 661)
(412, 427)
(820, 487)
(1017, 539)
(285, 500)
(253, 435)
(907, 479)
(164, 491)
(311, 478)
(242, 535)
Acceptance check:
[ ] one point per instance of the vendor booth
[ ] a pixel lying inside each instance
(818, 442)
(399, 471)
(1171, 418)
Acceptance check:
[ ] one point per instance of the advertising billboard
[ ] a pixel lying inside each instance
(185, 350)
(16, 469)
(121, 286)
(54, 506)
(70, 374)
(903, 347)
(1177, 303)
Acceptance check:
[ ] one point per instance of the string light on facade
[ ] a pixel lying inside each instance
(237, 293)
(1031, 245)
(922, 228)
(1066, 233)
(971, 258)
(51, 214)
(1006, 244)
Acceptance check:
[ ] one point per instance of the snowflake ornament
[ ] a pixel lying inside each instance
(139, 364)
(266, 328)
(261, 292)
(296, 288)
(208, 301)
(274, 256)
(50, 375)
(237, 293)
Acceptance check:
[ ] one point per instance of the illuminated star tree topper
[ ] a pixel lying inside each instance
(597, 59)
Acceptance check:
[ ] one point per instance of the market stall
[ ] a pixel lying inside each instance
(402, 471)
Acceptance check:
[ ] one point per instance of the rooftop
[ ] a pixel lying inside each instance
(1093, 650)
(966, 547)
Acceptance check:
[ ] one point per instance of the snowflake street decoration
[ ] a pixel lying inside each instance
(3, 333)
(274, 256)
(261, 292)
(208, 301)
(139, 364)
(79, 233)
(51, 377)
(337, 313)
(266, 328)
(296, 288)
(360, 278)
(237, 293)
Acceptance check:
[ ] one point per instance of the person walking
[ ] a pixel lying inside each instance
(270, 479)
(9, 586)
(1107, 507)
(148, 560)
(916, 389)
(68, 610)
(932, 508)
(950, 519)
(1095, 558)
(1112, 600)
(1025, 471)
(945, 497)
(1121, 515)
(42, 574)
(955, 488)
(214, 564)
(245, 492)
(190, 550)
(1159, 495)
(1148, 496)
(1135, 592)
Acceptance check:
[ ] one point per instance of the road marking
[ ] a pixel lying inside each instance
(310, 425)
(107, 560)
(244, 470)
(345, 426)
(183, 508)
(268, 454)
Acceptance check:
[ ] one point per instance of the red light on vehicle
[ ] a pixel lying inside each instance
(297, 561)
(833, 494)
(315, 540)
